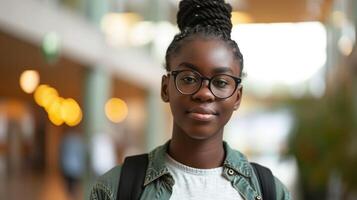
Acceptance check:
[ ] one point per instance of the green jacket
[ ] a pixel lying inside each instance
(159, 183)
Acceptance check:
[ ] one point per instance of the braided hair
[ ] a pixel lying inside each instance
(208, 19)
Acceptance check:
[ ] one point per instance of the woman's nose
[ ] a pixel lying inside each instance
(204, 93)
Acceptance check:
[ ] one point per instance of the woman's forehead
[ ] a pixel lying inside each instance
(206, 55)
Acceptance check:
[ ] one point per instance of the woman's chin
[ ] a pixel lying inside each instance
(197, 131)
(200, 133)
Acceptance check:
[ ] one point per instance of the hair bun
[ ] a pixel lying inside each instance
(214, 13)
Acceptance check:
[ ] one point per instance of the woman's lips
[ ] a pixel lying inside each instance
(202, 114)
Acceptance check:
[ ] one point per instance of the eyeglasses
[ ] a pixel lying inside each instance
(189, 82)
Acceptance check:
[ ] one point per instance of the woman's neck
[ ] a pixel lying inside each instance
(197, 153)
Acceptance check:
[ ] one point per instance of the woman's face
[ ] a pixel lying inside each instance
(201, 115)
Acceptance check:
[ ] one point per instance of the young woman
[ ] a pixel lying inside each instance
(203, 87)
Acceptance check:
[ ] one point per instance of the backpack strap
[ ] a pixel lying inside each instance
(266, 181)
(132, 177)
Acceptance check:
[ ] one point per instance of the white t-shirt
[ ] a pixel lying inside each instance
(197, 184)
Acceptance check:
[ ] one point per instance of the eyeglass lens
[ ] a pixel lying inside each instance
(189, 82)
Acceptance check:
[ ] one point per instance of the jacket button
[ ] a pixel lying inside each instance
(258, 197)
(230, 172)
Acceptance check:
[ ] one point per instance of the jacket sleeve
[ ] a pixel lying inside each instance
(282, 192)
(106, 187)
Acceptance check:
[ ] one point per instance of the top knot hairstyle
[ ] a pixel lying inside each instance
(205, 13)
(204, 18)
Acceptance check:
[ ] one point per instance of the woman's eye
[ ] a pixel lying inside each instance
(220, 83)
(189, 79)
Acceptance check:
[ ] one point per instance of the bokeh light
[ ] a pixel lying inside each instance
(116, 110)
(29, 80)
(51, 46)
(59, 110)
(54, 111)
(345, 45)
(71, 113)
(38, 95)
(45, 95)
(49, 95)
(137, 38)
(117, 27)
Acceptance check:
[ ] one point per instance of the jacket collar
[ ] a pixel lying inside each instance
(237, 161)
(157, 163)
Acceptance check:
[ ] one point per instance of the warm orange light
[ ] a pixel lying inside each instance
(29, 80)
(45, 95)
(241, 18)
(50, 94)
(117, 27)
(71, 113)
(116, 110)
(59, 110)
(54, 111)
(76, 121)
(39, 93)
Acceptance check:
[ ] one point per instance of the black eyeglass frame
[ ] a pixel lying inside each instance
(174, 73)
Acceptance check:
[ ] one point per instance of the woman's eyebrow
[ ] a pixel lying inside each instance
(216, 70)
(189, 65)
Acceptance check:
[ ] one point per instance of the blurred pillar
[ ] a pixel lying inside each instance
(155, 135)
(97, 93)
(156, 126)
(97, 89)
(354, 60)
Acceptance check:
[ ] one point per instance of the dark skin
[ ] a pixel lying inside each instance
(199, 119)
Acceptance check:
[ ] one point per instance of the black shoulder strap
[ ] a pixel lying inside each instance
(266, 181)
(132, 177)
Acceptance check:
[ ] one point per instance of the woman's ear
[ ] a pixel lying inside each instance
(164, 88)
(239, 97)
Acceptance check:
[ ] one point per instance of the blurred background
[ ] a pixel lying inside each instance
(80, 90)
